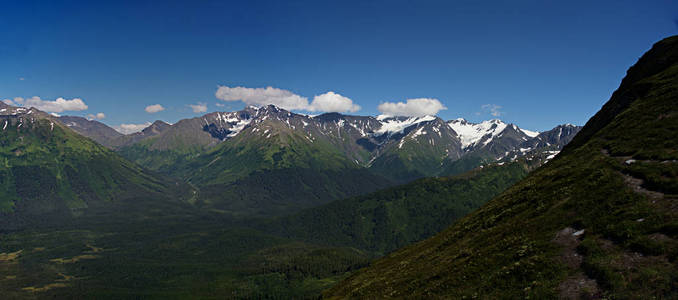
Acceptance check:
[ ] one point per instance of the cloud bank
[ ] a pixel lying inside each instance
(412, 107)
(328, 102)
(131, 128)
(262, 96)
(98, 116)
(151, 109)
(199, 108)
(55, 106)
(333, 102)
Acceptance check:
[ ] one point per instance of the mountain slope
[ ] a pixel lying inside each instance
(489, 145)
(419, 150)
(49, 171)
(399, 148)
(162, 147)
(599, 220)
(95, 130)
(272, 167)
(385, 220)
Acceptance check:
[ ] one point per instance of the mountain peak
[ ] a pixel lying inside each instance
(157, 127)
(331, 116)
(159, 123)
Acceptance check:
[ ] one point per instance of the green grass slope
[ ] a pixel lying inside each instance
(600, 220)
(385, 220)
(49, 171)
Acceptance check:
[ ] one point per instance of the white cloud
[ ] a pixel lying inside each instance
(220, 104)
(412, 108)
(151, 109)
(98, 116)
(492, 109)
(131, 128)
(56, 106)
(22, 79)
(327, 102)
(333, 102)
(263, 96)
(199, 108)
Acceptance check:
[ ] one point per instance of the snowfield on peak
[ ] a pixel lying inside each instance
(392, 125)
(530, 133)
(470, 133)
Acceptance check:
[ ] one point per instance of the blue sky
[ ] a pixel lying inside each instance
(534, 63)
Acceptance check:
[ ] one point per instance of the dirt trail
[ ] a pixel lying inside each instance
(636, 183)
(578, 284)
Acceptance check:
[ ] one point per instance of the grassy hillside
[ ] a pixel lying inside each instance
(388, 219)
(49, 171)
(597, 221)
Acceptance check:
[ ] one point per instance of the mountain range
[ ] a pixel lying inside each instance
(230, 156)
(418, 146)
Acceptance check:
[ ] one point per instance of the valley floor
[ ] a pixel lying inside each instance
(175, 258)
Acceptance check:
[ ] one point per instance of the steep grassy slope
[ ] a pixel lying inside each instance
(388, 219)
(598, 221)
(50, 171)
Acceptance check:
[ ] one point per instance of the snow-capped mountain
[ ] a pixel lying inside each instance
(473, 135)
(396, 147)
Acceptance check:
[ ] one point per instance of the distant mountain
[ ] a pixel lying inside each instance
(228, 155)
(412, 148)
(399, 148)
(493, 140)
(558, 137)
(598, 221)
(49, 172)
(158, 127)
(280, 162)
(95, 130)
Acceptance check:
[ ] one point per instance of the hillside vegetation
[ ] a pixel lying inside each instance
(385, 220)
(50, 172)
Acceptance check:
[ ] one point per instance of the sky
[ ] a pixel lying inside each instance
(125, 63)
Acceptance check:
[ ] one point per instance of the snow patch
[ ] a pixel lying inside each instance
(391, 125)
(530, 133)
(470, 134)
(239, 126)
(553, 154)
(419, 132)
